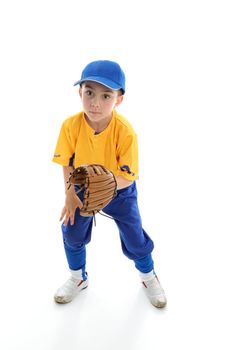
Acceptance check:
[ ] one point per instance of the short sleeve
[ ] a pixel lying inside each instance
(128, 157)
(64, 152)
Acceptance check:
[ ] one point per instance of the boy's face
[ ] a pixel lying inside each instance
(98, 100)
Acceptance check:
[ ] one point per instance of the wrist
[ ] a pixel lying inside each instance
(122, 182)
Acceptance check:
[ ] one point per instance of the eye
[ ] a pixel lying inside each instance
(88, 93)
(106, 96)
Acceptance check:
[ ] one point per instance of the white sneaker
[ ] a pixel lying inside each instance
(70, 289)
(154, 290)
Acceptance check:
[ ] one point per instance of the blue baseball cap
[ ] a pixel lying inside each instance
(107, 73)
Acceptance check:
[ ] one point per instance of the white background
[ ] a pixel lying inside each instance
(177, 56)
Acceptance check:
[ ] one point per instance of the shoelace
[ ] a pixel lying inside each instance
(69, 284)
(153, 286)
(99, 212)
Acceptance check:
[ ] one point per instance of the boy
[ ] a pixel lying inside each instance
(100, 135)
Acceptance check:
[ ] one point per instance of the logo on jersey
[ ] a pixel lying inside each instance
(127, 169)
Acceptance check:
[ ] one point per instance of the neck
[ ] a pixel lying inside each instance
(98, 126)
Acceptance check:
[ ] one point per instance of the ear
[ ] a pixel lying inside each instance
(119, 100)
(80, 92)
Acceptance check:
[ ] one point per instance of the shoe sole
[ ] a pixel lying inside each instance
(160, 305)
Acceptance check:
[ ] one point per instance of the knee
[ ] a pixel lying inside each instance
(72, 245)
(74, 238)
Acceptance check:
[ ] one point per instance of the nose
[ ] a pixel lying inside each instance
(95, 102)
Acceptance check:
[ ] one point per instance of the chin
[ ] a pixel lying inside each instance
(94, 115)
(94, 119)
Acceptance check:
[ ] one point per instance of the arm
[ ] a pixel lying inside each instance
(127, 157)
(122, 182)
(72, 201)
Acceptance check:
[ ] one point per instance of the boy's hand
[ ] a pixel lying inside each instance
(71, 204)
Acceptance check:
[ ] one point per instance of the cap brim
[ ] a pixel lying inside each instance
(108, 83)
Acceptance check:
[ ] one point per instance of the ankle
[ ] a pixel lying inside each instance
(147, 276)
(77, 274)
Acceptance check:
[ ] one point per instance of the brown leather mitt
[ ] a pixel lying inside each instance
(99, 186)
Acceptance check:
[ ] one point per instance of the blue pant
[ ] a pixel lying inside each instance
(135, 242)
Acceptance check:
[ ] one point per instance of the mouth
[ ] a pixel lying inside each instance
(94, 112)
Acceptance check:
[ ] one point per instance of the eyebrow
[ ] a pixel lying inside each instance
(92, 88)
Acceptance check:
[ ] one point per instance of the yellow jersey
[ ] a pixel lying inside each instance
(115, 147)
